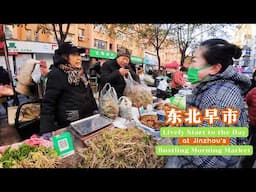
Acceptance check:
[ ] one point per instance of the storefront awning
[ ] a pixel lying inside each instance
(97, 53)
(149, 61)
(136, 60)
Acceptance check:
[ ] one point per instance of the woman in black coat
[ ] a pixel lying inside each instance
(68, 96)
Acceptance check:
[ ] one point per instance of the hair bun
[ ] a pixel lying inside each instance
(237, 52)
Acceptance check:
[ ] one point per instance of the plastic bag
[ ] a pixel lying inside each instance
(148, 79)
(108, 102)
(36, 74)
(139, 94)
(125, 107)
(25, 74)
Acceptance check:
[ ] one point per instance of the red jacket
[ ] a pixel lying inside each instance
(178, 80)
(251, 102)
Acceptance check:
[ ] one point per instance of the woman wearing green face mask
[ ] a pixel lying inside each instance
(216, 84)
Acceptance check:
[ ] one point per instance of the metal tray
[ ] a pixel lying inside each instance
(90, 124)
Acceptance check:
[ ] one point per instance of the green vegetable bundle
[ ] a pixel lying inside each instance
(121, 148)
(13, 158)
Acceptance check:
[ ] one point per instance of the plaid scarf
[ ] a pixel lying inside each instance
(75, 74)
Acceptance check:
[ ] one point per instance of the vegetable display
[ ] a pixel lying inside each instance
(27, 156)
(121, 148)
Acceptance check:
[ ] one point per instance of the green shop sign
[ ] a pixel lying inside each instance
(102, 54)
(136, 60)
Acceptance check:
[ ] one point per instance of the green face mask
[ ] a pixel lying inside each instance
(193, 74)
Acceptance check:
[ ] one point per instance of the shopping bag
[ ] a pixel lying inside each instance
(139, 94)
(27, 120)
(125, 107)
(108, 102)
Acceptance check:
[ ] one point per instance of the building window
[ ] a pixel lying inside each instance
(122, 35)
(80, 34)
(99, 28)
(100, 44)
(110, 46)
(28, 34)
(8, 31)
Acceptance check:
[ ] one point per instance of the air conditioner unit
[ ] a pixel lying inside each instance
(80, 38)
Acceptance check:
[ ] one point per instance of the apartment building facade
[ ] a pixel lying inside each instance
(38, 41)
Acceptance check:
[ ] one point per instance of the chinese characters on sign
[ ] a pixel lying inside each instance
(193, 116)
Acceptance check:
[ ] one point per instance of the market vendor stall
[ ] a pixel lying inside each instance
(111, 148)
(128, 140)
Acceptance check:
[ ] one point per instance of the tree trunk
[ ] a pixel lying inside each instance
(62, 34)
(182, 58)
(158, 58)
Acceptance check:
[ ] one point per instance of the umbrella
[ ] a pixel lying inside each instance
(173, 64)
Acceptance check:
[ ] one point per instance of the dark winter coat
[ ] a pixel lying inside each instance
(110, 74)
(4, 77)
(63, 102)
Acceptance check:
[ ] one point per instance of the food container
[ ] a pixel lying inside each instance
(155, 133)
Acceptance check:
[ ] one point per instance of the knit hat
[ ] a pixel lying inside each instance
(123, 52)
(68, 48)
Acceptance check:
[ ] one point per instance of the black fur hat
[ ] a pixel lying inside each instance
(68, 48)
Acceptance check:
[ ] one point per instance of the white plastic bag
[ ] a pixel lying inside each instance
(36, 74)
(139, 94)
(108, 102)
(25, 75)
(125, 107)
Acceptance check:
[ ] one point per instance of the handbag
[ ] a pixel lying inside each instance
(27, 120)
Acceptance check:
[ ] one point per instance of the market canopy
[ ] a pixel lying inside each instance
(173, 64)
(150, 61)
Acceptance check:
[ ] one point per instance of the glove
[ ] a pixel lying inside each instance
(47, 136)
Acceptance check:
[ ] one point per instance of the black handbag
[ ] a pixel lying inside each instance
(27, 128)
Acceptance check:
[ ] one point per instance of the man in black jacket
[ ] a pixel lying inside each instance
(113, 71)
(68, 96)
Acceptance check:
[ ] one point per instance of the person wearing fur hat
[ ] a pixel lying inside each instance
(113, 71)
(68, 96)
